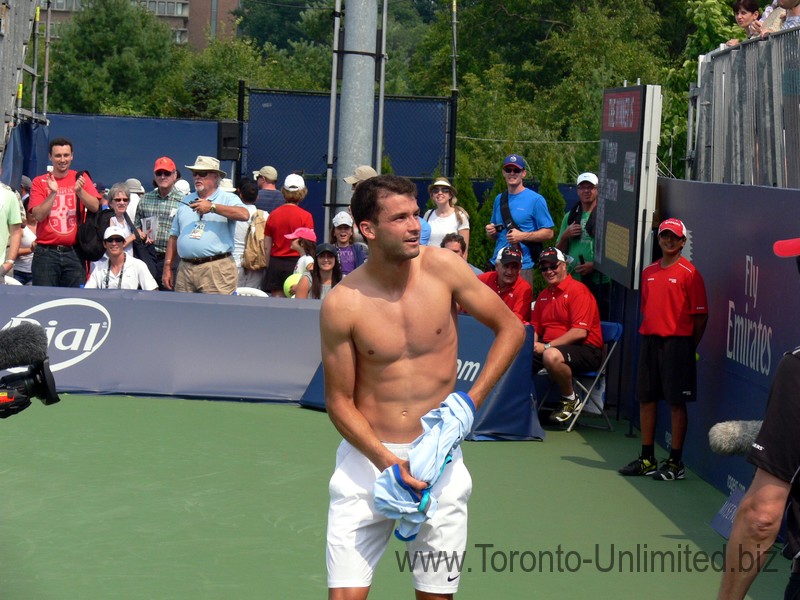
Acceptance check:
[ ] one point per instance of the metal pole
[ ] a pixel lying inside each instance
(357, 110)
(330, 183)
(451, 142)
(46, 86)
(35, 66)
(381, 90)
(240, 125)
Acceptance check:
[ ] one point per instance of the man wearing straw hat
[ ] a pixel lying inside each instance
(202, 234)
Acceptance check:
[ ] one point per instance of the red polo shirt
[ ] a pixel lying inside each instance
(518, 297)
(670, 299)
(560, 308)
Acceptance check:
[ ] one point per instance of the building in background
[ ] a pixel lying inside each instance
(191, 21)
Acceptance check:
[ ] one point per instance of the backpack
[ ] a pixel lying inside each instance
(89, 239)
(254, 257)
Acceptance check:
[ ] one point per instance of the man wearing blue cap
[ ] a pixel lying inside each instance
(520, 217)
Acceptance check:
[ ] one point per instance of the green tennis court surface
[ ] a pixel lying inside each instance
(121, 498)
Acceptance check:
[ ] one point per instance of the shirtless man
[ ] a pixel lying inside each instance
(389, 347)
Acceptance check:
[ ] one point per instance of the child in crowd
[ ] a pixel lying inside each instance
(351, 255)
(327, 272)
(304, 242)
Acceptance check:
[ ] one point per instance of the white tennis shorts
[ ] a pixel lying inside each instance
(358, 534)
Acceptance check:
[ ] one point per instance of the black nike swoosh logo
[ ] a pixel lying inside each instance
(453, 578)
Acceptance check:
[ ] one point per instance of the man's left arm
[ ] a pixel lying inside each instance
(232, 210)
(576, 335)
(699, 303)
(83, 190)
(699, 323)
(755, 528)
(515, 236)
(487, 307)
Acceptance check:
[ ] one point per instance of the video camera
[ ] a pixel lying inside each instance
(25, 344)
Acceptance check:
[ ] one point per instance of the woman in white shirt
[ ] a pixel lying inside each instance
(118, 270)
(446, 217)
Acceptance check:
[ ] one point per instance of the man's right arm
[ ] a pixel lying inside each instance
(42, 198)
(755, 528)
(339, 363)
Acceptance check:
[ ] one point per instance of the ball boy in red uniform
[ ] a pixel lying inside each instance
(674, 317)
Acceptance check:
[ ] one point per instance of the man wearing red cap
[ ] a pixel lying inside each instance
(674, 316)
(506, 282)
(161, 203)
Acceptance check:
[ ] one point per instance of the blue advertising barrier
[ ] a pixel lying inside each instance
(506, 414)
(161, 343)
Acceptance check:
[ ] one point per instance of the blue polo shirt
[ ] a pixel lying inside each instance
(217, 237)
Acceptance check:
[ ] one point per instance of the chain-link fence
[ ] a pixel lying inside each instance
(289, 131)
(748, 114)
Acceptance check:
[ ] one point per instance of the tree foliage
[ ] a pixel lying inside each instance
(531, 73)
(110, 55)
(276, 24)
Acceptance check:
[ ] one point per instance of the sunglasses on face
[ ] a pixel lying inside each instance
(121, 200)
(441, 190)
(200, 174)
(115, 240)
(546, 268)
(510, 170)
(163, 173)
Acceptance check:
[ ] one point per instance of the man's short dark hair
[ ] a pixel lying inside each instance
(454, 237)
(248, 190)
(60, 142)
(364, 203)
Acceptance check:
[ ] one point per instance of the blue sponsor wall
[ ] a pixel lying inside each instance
(752, 298)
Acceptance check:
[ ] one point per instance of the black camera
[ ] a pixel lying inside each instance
(35, 382)
(499, 227)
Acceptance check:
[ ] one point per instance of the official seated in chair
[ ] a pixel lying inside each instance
(567, 336)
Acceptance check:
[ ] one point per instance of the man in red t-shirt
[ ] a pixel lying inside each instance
(674, 317)
(56, 202)
(567, 335)
(505, 280)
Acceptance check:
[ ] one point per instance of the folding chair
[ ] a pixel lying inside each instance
(612, 334)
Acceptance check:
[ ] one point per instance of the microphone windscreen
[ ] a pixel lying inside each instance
(733, 437)
(22, 345)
